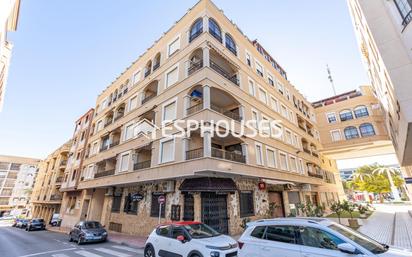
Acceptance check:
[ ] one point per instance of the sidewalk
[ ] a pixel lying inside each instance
(119, 238)
(390, 224)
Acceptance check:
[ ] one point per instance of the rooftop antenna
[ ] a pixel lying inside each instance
(331, 79)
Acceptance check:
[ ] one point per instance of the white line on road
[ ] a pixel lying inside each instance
(126, 248)
(59, 255)
(108, 251)
(55, 251)
(87, 254)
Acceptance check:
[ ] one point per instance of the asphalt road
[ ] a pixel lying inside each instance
(16, 242)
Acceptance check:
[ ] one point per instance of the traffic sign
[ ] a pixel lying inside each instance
(161, 199)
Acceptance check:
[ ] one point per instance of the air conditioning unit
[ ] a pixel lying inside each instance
(168, 186)
(109, 192)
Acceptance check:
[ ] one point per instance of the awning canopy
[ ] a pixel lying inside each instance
(208, 184)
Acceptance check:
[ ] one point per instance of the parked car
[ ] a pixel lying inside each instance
(22, 223)
(191, 239)
(36, 224)
(88, 231)
(296, 237)
(16, 220)
(56, 220)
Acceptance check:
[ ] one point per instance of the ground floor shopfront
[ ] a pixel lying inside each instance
(223, 203)
(45, 210)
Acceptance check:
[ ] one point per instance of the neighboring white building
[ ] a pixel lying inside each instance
(9, 13)
(384, 32)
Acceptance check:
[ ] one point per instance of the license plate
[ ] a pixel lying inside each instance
(97, 237)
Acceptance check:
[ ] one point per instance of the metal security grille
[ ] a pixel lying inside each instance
(214, 211)
(189, 208)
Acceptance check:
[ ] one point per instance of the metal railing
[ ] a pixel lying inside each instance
(118, 116)
(156, 66)
(407, 19)
(59, 179)
(147, 73)
(114, 143)
(142, 165)
(194, 154)
(148, 98)
(224, 73)
(194, 66)
(306, 150)
(104, 173)
(315, 175)
(55, 197)
(108, 122)
(230, 156)
(315, 154)
(194, 108)
(103, 148)
(229, 114)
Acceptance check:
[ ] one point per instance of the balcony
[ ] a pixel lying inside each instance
(228, 155)
(147, 98)
(194, 154)
(315, 175)
(147, 73)
(63, 163)
(104, 173)
(156, 66)
(114, 143)
(194, 66)
(55, 197)
(224, 73)
(104, 148)
(150, 91)
(142, 165)
(108, 122)
(59, 180)
(231, 114)
(195, 108)
(315, 154)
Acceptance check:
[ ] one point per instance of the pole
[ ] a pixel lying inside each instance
(331, 79)
(160, 211)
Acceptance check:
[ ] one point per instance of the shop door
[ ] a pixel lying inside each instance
(214, 211)
(276, 201)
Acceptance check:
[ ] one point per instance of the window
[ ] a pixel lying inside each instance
(251, 88)
(196, 29)
(259, 160)
(255, 119)
(128, 132)
(284, 234)
(230, 44)
(263, 96)
(214, 30)
(74, 174)
(280, 87)
(404, 7)
(259, 69)
(154, 210)
(351, 132)
(314, 237)
(301, 167)
(274, 104)
(345, 115)
(265, 126)
(174, 46)
(335, 134)
(366, 130)
(136, 77)
(271, 158)
(133, 103)
(248, 60)
(167, 151)
(288, 137)
(117, 199)
(284, 111)
(99, 125)
(283, 161)
(287, 94)
(172, 76)
(124, 162)
(293, 163)
(246, 204)
(270, 80)
(130, 206)
(331, 117)
(169, 111)
(361, 111)
(258, 232)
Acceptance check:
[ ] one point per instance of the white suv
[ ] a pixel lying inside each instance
(309, 237)
(189, 239)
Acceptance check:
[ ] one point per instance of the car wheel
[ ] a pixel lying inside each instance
(79, 241)
(70, 238)
(149, 251)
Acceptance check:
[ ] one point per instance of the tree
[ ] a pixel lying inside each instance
(376, 179)
(336, 207)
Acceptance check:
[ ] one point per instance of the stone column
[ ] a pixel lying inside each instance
(185, 143)
(206, 97)
(242, 112)
(186, 104)
(197, 207)
(206, 56)
(286, 207)
(207, 144)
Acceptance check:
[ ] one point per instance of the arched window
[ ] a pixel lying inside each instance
(214, 30)
(351, 132)
(196, 29)
(361, 111)
(345, 115)
(366, 130)
(156, 61)
(230, 44)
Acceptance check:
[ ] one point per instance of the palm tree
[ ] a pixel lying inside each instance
(389, 171)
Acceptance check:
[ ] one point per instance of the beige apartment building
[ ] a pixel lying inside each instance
(46, 197)
(9, 15)
(17, 176)
(70, 212)
(203, 69)
(352, 125)
(384, 32)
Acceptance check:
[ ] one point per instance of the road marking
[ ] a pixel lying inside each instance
(126, 248)
(108, 251)
(59, 255)
(87, 254)
(55, 251)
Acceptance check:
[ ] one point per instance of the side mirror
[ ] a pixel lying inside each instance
(347, 248)
(181, 238)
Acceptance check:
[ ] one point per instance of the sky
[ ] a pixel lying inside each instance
(66, 52)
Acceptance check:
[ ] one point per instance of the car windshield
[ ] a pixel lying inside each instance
(201, 231)
(37, 220)
(91, 225)
(361, 239)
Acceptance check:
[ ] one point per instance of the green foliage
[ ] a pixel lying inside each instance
(348, 207)
(311, 210)
(337, 208)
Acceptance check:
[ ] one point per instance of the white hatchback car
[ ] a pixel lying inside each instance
(189, 239)
(309, 237)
